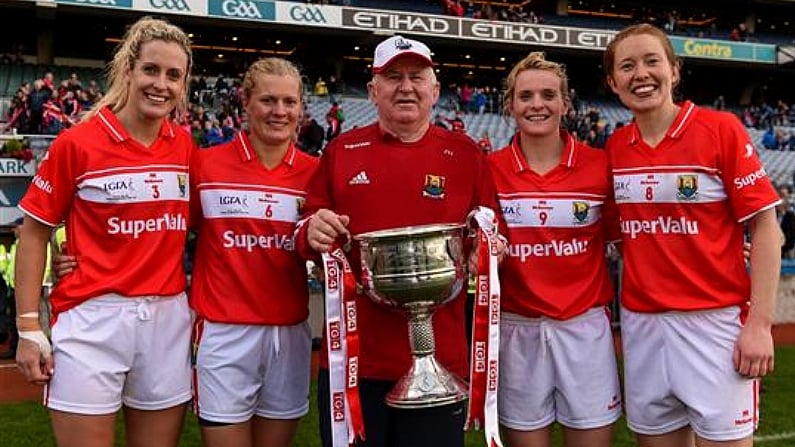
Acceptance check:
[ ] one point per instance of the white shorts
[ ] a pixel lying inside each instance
(553, 370)
(114, 350)
(678, 371)
(245, 370)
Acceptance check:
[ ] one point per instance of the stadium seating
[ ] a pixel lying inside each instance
(12, 75)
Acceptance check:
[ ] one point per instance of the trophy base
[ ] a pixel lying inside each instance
(427, 384)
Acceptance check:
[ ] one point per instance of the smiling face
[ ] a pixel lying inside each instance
(643, 75)
(273, 106)
(537, 104)
(156, 80)
(404, 93)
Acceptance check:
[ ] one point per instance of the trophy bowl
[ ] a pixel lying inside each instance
(416, 270)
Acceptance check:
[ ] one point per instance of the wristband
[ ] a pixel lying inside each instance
(40, 339)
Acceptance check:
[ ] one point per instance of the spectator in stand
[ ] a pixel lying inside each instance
(695, 322)
(228, 129)
(71, 108)
(334, 89)
(457, 123)
(197, 132)
(221, 86)
(310, 135)
(36, 100)
(719, 103)
(212, 133)
(479, 101)
(19, 113)
(121, 329)
(94, 91)
(52, 119)
(440, 121)
(320, 89)
(782, 140)
(485, 143)
(337, 111)
(333, 129)
(743, 32)
(769, 140)
(466, 98)
(392, 164)
(84, 100)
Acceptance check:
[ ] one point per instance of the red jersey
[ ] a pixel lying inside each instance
(246, 270)
(381, 183)
(125, 207)
(556, 222)
(682, 206)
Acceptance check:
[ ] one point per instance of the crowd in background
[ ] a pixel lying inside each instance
(42, 107)
(46, 106)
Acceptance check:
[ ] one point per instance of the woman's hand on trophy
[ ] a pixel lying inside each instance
(325, 227)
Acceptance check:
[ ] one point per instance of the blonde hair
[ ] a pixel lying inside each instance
(144, 30)
(271, 66)
(533, 61)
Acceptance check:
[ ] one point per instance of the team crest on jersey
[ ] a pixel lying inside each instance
(434, 186)
(580, 210)
(182, 181)
(687, 187)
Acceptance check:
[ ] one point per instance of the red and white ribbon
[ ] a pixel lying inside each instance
(342, 341)
(484, 368)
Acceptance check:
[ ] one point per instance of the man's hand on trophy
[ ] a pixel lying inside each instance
(326, 227)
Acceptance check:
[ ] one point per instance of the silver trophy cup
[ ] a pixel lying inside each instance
(416, 270)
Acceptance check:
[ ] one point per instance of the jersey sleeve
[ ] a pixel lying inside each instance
(53, 188)
(748, 187)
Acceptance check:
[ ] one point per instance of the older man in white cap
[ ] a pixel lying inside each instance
(397, 172)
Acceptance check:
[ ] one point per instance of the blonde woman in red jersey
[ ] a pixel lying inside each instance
(696, 325)
(557, 360)
(249, 289)
(121, 324)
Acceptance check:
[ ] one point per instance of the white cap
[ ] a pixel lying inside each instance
(390, 49)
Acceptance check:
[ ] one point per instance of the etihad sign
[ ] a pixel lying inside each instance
(476, 29)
